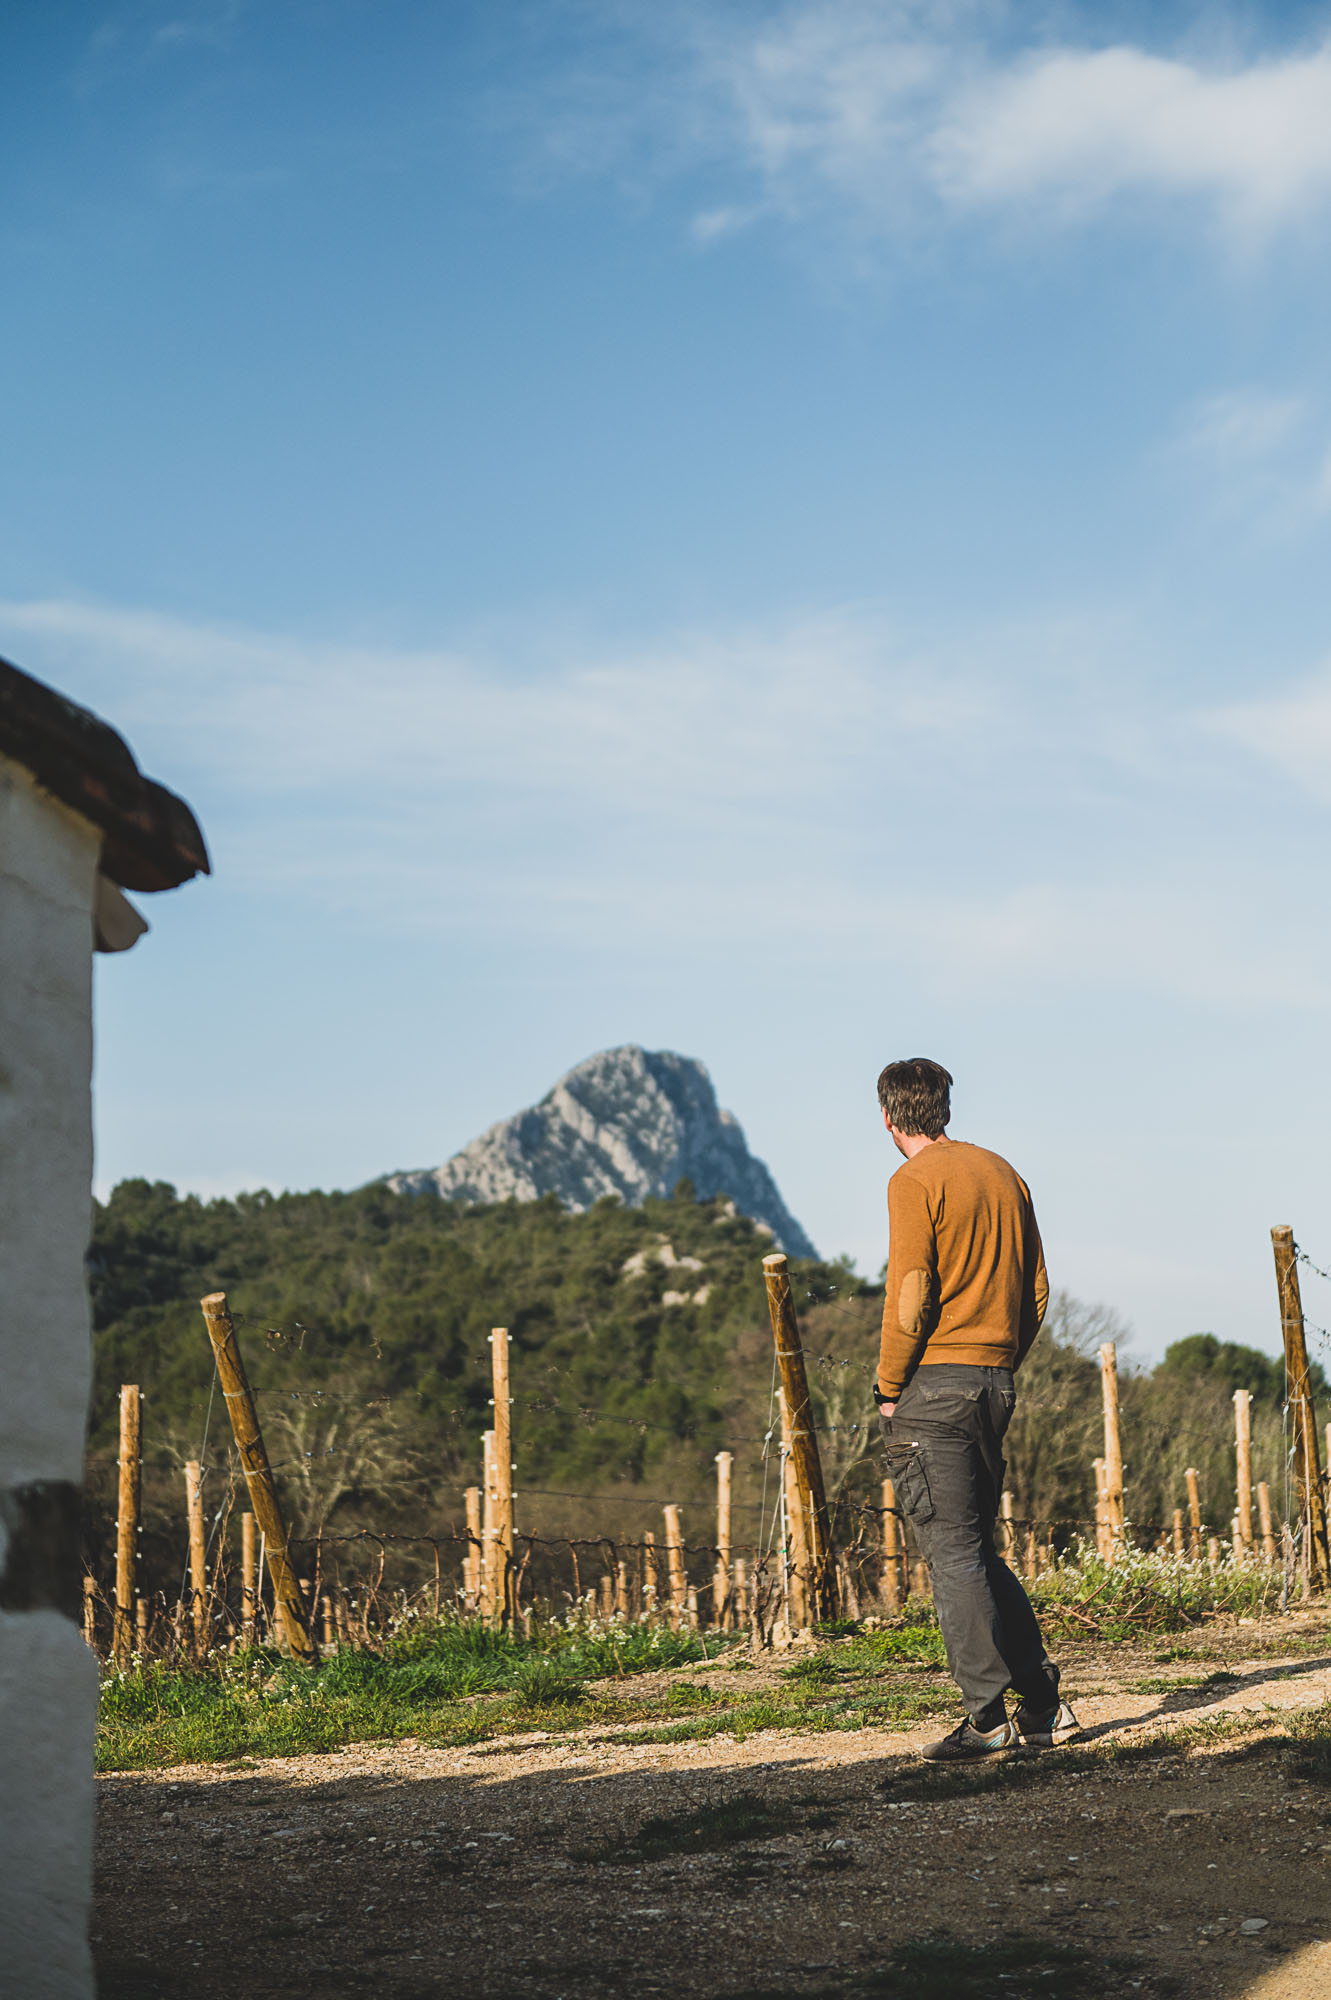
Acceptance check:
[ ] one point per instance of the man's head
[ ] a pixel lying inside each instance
(916, 1102)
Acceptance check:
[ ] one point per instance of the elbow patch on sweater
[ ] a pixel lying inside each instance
(913, 1302)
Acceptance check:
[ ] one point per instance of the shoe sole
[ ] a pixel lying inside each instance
(980, 1756)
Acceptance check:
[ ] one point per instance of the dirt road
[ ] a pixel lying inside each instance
(591, 1865)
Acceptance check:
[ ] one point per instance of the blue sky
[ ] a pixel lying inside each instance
(796, 533)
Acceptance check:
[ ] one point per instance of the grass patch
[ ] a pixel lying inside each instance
(685, 1697)
(455, 1681)
(1143, 1592)
(1300, 1642)
(1015, 1967)
(542, 1684)
(861, 1681)
(809, 1707)
(868, 1653)
(1181, 1683)
(446, 1682)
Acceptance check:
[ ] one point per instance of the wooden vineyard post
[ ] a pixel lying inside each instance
(1268, 1526)
(1194, 1513)
(891, 1548)
(471, 1561)
(721, 1607)
(1299, 1401)
(249, 1579)
(489, 1512)
(796, 1547)
(623, 1592)
(679, 1590)
(90, 1613)
(820, 1556)
(1243, 1468)
(1114, 1519)
(127, 1523)
(651, 1578)
(1179, 1544)
(741, 1593)
(293, 1619)
(198, 1558)
(502, 1524)
(798, 1612)
(141, 1627)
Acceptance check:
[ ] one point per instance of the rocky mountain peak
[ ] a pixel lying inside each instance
(629, 1122)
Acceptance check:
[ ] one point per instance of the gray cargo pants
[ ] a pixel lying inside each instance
(945, 1457)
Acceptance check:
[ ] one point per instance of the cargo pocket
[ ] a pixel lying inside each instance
(909, 1471)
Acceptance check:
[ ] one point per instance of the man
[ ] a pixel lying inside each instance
(966, 1292)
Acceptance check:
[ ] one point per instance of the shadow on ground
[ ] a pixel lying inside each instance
(705, 1873)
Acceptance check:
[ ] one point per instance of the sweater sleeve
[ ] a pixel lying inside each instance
(1035, 1286)
(910, 1301)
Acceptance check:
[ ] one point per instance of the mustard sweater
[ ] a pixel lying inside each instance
(965, 1271)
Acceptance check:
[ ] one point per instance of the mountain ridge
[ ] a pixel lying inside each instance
(627, 1122)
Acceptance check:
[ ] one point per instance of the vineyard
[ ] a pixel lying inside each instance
(817, 1556)
(700, 1747)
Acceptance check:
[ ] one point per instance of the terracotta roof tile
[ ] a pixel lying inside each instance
(152, 838)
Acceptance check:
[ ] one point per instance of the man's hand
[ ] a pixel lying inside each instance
(887, 1410)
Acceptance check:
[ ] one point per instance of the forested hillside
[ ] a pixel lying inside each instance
(640, 1349)
(640, 1342)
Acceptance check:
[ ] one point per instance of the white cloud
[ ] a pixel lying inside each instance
(1290, 728)
(707, 719)
(1258, 456)
(825, 778)
(1081, 128)
(713, 223)
(1242, 425)
(903, 114)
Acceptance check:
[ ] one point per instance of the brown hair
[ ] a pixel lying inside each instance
(915, 1096)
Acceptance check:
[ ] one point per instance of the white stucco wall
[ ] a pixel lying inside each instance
(48, 1679)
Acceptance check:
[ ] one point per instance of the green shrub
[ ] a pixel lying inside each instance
(1142, 1592)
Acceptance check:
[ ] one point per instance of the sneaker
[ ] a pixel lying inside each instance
(966, 1742)
(1042, 1732)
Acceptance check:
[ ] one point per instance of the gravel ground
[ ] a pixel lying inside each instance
(498, 1871)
